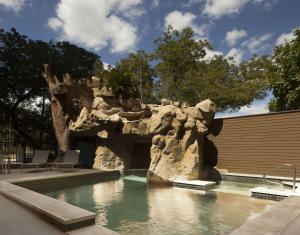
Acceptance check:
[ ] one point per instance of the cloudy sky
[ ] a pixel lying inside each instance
(112, 28)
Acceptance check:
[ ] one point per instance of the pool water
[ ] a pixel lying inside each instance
(242, 188)
(127, 205)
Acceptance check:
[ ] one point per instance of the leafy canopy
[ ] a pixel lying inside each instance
(186, 75)
(286, 81)
(131, 77)
(23, 92)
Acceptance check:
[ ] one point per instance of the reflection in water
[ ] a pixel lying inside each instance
(174, 211)
(180, 211)
(128, 206)
(61, 196)
(106, 194)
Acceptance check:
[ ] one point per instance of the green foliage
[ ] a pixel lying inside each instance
(286, 83)
(178, 58)
(253, 79)
(21, 67)
(119, 79)
(137, 65)
(186, 76)
(131, 77)
(66, 57)
(98, 69)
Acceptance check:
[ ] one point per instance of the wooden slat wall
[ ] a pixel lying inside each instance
(255, 144)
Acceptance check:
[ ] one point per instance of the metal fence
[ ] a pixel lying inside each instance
(11, 147)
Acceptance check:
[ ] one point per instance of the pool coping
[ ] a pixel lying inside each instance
(256, 178)
(281, 219)
(194, 184)
(66, 217)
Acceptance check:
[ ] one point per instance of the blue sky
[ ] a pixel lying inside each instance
(112, 28)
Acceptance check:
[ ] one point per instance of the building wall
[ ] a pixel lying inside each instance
(255, 144)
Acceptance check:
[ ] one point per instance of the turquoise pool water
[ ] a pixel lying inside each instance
(128, 206)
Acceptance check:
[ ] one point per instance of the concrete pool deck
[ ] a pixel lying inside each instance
(15, 219)
(27, 174)
(23, 211)
(282, 219)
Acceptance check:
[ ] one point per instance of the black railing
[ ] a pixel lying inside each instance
(11, 145)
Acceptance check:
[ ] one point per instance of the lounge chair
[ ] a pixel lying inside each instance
(3, 164)
(39, 158)
(71, 159)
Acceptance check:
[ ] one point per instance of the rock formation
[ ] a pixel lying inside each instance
(175, 130)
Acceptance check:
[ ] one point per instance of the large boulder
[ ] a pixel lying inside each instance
(208, 110)
(177, 144)
(113, 155)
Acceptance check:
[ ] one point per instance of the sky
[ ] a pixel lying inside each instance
(114, 28)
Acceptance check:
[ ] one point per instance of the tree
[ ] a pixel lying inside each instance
(119, 79)
(23, 89)
(186, 75)
(138, 65)
(178, 57)
(286, 81)
(131, 77)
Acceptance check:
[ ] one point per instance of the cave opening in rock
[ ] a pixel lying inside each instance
(87, 146)
(140, 156)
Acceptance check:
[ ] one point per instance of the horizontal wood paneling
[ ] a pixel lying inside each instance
(255, 144)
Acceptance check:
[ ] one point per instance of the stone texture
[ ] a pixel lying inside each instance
(208, 110)
(113, 155)
(175, 129)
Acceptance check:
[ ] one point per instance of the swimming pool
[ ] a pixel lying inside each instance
(127, 205)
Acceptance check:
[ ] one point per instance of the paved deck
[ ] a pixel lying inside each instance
(282, 219)
(15, 174)
(16, 219)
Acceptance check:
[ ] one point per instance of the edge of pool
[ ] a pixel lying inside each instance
(283, 218)
(68, 218)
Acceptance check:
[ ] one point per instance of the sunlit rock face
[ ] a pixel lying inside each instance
(175, 130)
(177, 143)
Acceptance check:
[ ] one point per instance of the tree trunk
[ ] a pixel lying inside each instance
(60, 125)
(42, 118)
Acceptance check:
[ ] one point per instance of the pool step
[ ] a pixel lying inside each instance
(63, 215)
(290, 183)
(272, 194)
(194, 184)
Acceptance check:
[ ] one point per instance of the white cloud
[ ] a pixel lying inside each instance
(155, 3)
(236, 54)
(234, 35)
(258, 107)
(210, 54)
(13, 5)
(55, 23)
(284, 38)
(180, 20)
(266, 4)
(107, 65)
(130, 8)
(218, 8)
(98, 23)
(258, 43)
